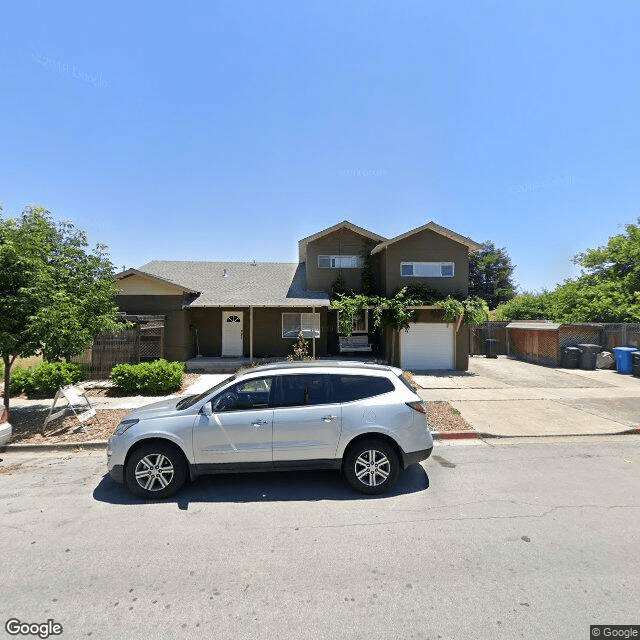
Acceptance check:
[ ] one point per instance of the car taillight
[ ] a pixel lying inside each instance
(418, 406)
(5, 416)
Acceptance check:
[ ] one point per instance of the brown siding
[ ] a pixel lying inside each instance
(177, 343)
(341, 242)
(427, 246)
(267, 331)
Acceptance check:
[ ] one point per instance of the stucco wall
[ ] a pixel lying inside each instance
(426, 246)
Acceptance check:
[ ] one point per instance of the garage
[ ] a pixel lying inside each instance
(427, 346)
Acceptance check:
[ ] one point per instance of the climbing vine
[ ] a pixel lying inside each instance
(396, 312)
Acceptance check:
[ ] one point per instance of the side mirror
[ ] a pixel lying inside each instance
(206, 409)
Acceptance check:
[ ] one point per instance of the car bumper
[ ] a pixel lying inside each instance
(5, 433)
(414, 457)
(117, 473)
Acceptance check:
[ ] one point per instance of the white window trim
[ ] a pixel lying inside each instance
(335, 262)
(353, 329)
(427, 269)
(308, 323)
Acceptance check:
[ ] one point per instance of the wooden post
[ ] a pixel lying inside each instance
(251, 334)
(313, 310)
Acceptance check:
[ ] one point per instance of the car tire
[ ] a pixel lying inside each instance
(371, 466)
(155, 470)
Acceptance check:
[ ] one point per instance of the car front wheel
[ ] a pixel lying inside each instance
(155, 470)
(371, 466)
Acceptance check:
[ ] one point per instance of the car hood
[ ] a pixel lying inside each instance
(155, 409)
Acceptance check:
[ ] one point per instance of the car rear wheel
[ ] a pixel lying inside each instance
(371, 466)
(155, 470)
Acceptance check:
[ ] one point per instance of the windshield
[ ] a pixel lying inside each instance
(185, 403)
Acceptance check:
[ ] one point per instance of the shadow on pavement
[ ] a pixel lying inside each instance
(277, 486)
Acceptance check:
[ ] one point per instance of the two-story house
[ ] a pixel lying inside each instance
(254, 310)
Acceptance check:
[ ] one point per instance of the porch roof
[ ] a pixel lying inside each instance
(240, 284)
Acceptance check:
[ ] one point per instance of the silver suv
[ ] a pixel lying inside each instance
(363, 419)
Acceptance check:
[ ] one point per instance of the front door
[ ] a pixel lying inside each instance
(232, 333)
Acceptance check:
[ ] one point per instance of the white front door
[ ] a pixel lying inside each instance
(232, 333)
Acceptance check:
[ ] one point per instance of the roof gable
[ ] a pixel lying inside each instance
(436, 228)
(345, 224)
(155, 284)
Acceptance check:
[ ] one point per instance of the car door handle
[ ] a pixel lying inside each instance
(259, 423)
(329, 418)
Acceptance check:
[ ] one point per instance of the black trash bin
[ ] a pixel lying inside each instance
(589, 354)
(491, 348)
(635, 363)
(571, 357)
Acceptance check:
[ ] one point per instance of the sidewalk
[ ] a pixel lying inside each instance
(204, 382)
(506, 398)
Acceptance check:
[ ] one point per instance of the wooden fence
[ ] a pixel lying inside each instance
(143, 342)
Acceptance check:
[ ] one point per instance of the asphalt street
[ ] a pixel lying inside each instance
(527, 539)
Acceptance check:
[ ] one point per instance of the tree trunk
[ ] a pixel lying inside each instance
(7, 380)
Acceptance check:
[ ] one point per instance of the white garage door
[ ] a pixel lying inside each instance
(427, 345)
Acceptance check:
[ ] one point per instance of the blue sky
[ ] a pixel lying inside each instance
(229, 130)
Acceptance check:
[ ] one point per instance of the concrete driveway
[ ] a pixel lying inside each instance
(505, 397)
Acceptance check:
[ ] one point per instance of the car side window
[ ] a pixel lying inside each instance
(352, 388)
(244, 396)
(304, 390)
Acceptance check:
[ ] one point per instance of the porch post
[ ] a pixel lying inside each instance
(251, 334)
(313, 310)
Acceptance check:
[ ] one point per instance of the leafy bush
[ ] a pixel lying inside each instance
(21, 380)
(158, 376)
(47, 377)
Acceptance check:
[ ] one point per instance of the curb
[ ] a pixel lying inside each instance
(89, 444)
(463, 435)
(436, 435)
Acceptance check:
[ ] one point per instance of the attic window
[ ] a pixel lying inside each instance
(427, 269)
(340, 262)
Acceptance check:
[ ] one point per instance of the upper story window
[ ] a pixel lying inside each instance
(340, 262)
(427, 269)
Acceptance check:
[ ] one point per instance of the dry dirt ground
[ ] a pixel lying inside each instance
(27, 423)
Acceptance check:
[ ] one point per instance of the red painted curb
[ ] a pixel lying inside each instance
(457, 435)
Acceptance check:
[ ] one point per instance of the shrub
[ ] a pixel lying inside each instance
(47, 377)
(158, 376)
(21, 380)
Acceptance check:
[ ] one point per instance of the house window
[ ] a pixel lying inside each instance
(294, 323)
(340, 262)
(359, 324)
(427, 269)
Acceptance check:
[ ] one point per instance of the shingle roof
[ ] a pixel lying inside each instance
(268, 284)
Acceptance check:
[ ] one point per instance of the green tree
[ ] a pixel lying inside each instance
(55, 295)
(608, 290)
(490, 275)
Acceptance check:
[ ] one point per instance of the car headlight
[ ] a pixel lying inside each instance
(124, 425)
